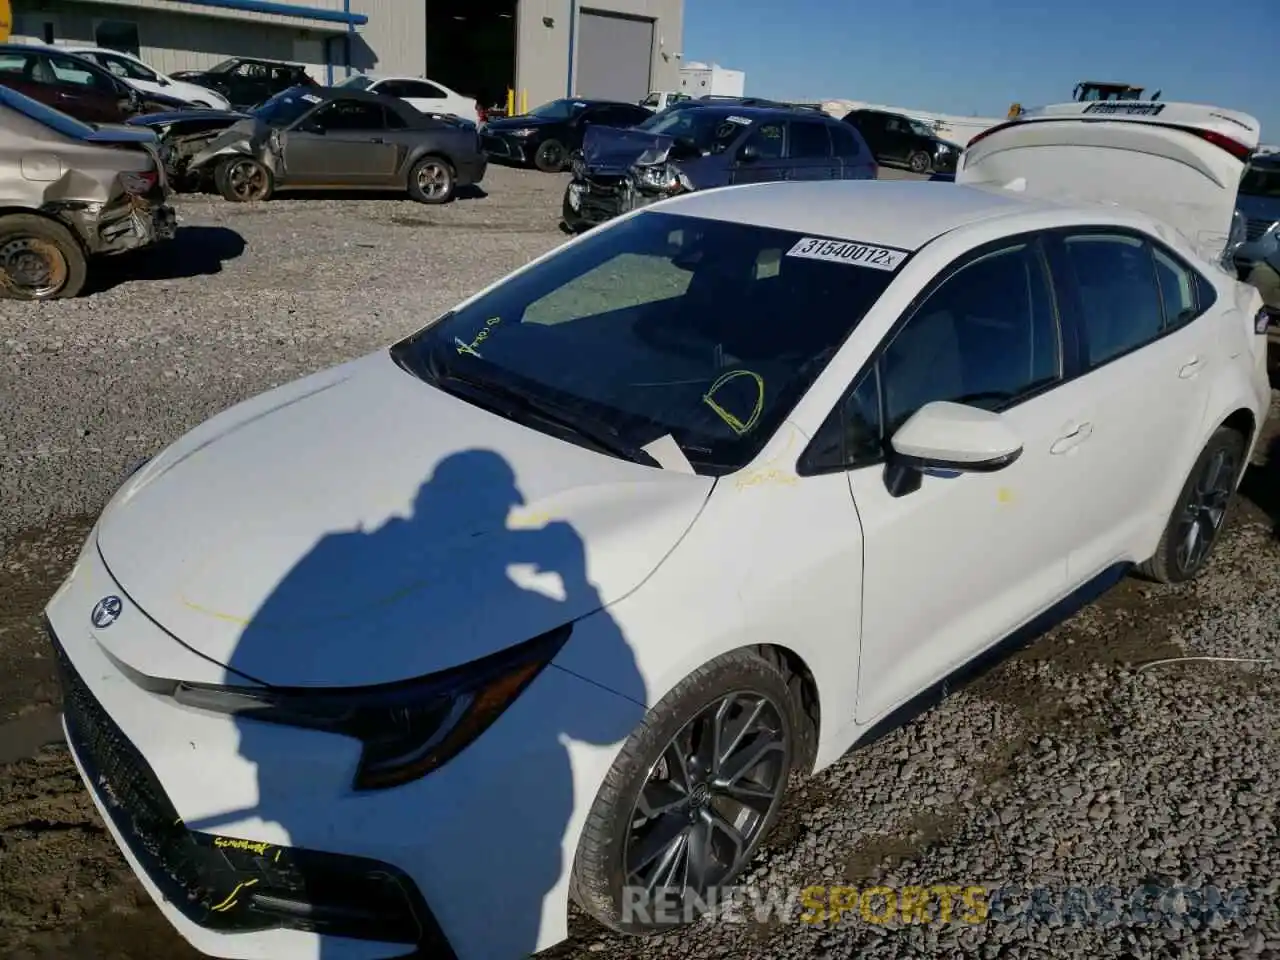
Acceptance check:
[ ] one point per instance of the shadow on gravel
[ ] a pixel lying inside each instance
(1261, 485)
(193, 252)
(472, 192)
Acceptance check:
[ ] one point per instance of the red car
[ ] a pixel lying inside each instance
(75, 86)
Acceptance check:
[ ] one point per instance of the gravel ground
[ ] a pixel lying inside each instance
(1064, 767)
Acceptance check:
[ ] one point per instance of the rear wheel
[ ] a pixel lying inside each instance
(40, 259)
(691, 795)
(244, 180)
(551, 156)
(1200, 513)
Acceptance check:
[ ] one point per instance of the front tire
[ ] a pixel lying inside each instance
(244, 180)
(1200, 513)
(551, 156)
(40, 259)
(919, 162)
(432, 180)
(690, 797)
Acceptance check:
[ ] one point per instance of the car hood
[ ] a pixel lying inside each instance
(502, 124)
(614, 150)
(184, 117)
(361, 526)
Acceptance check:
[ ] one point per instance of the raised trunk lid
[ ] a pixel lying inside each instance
(1179, 162)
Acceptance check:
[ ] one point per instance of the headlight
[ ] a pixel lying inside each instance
(943, 148)
(407, 729)
(663, 177)
(524, 132)
(1262, 321)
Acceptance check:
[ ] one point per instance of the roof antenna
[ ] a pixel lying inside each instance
(1156, 96)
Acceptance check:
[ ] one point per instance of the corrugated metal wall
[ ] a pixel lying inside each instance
(615, 56)
(394, 41)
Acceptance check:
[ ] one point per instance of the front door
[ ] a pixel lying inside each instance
(769, 160)
(85, 93)
(959, 563)
(343, 143)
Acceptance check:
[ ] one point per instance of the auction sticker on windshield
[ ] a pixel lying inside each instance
(311, 98)
(843, 251)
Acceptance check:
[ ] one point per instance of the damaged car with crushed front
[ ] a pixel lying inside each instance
(697, 148)
(72, 191)
(321, 138)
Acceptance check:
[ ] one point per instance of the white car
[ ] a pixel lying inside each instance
(137, 74)
(547, 600)
(425, 95)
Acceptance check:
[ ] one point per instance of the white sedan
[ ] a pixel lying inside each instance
(137, 74)
(422, 94)
(549, 599)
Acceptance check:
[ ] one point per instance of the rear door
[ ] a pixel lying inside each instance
(344, 143)
(898, 138)
(1180, 163)
(1147, 355)
(810, 155)
(854, 157)
(767, 161)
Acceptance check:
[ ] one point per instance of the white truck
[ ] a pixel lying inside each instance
(702, 80)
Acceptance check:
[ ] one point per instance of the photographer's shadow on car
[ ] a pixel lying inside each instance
(412, 744)
(194, 251)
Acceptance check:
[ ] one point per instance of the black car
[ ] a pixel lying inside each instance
(247, 82)
(547, 136)
(900, 141)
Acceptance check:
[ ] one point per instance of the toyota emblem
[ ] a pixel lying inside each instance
(106, 612)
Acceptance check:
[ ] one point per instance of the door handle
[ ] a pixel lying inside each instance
(1191, 368)
(1076, 435)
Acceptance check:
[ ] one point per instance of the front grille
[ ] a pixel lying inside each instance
(604, 198)
(1254, 229)
(229, 884)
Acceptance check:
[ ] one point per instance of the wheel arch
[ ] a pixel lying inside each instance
(48, 212)
(805, 691)
(428, 153)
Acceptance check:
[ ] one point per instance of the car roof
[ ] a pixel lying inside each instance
(763, 113)
(905, 214)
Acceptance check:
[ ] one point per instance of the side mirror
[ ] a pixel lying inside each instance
(749, 154)
(949, 437)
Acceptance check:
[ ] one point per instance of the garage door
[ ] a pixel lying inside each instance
(614, 57)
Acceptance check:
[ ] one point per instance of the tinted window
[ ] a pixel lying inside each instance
(1119, 293)
(1261, 181)
(809, 140)
(986, 337)
(352, 115)
(767, 139)
(423, 91)
(845, 140)
(661, 325)
(1177, 290)
(252, 71)
(80, 74)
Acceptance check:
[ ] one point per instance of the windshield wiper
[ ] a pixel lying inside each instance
(509, 400)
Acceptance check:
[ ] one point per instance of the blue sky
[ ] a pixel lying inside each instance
(978, 56)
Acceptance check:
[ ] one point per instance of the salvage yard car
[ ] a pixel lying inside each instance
(323, 138)
(247, 81)
(549, 599)
(710, 146)
(75, 86)
(901, 141)
(72, 191)
(546, 136)
(419, 92)
(146, 79)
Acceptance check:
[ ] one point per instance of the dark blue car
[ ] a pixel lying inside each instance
(697, 148)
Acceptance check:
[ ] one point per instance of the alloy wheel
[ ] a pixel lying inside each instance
(247, 179)
(919, 163)
(707, 800)
(1204, 510)
(433, 180)
(33, 267)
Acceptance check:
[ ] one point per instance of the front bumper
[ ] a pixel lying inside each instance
(474, 858)
(498, 146)
(472, 169)
(600, 200)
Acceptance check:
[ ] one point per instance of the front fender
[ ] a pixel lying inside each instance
(207, 156)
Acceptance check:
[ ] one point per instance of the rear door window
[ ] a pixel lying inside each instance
(1119, 293)
(809, 141)
(844, 141)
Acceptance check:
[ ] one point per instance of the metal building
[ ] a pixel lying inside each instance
(543, 49)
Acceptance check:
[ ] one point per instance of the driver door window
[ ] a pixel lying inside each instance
(767, 140)
(70, 73)
(126, 69)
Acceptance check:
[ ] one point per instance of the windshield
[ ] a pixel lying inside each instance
(49, 117)
(711, 131)
(923, 129)
(557, 109)
(1261, 182)
(222, 66)
(356, 81)
(286, 107)
(706, 330)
